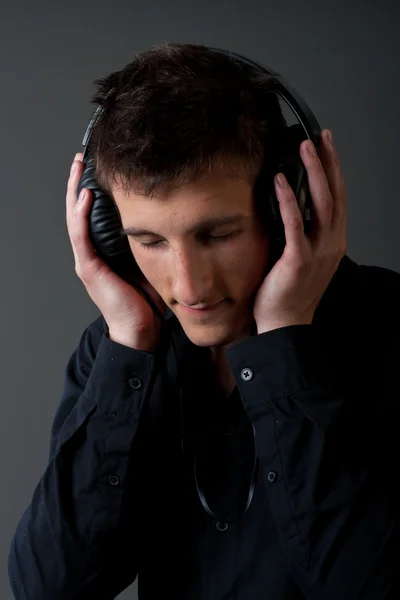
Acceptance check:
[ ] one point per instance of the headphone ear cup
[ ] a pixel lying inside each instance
(289, 163)
(296, 173)
(104, 229)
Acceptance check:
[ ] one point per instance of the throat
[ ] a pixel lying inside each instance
(223, 375)
(227, 386)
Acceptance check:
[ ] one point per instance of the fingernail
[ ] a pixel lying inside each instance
(81, 195)
(73, 167)
(329, 136)
(311, 148)
(281, 181)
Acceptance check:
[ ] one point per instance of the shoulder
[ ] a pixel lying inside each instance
(368, 276)
(363, 295)
(382, 280)
(379, 289)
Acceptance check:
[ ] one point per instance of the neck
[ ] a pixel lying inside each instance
(218, 352)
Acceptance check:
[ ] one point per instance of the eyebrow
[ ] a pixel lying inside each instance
(205, 225)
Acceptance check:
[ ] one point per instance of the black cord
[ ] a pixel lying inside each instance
(250, 493)
(199, 489)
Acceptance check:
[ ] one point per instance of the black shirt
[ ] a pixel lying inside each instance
(316, 404)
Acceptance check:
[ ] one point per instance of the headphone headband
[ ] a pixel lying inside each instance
(287, 92)
(296, 103)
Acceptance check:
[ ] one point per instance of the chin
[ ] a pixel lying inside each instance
(223, 333)
(206, 339)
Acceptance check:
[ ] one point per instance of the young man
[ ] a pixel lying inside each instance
(271, 474)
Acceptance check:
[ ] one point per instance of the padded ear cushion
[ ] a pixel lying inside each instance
(104, 229)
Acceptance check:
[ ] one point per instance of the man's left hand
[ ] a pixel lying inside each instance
(292, 290)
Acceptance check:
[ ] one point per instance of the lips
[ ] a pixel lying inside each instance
(200, 311)
(209, 306)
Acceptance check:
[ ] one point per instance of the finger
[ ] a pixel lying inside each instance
(319, 189)
(71, 198)
(291, 215)
(72, 185)
(77, 219)
(85, 256)
(331, 163)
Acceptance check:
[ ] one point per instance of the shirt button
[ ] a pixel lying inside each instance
(221, 525)
(271, 476)
(135, 383)
(113, 479)
(246, 374)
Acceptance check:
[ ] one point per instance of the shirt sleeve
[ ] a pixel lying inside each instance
(69, 530)
(322, 461)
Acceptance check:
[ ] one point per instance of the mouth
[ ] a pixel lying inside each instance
(201, 311)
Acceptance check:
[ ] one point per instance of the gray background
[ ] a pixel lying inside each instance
(342, 57)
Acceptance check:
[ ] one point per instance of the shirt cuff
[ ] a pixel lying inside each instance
(282, 362)
(120, 377)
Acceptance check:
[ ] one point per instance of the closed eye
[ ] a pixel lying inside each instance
(208, 238)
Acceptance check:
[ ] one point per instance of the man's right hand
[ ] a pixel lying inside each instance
(130, 318)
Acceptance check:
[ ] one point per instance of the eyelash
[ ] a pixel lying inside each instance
(213, 238)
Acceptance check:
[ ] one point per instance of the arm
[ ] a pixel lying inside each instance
(70, 528)
(322, 460)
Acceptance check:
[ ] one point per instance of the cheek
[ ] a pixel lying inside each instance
(147, 264)
(249, 261)
(152, 266)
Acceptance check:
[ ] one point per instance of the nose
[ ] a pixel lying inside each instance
(192, 278)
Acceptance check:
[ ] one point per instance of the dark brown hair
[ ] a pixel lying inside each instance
(178, 112)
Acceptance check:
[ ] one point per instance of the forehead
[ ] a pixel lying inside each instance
(207, 195)
(193, 209)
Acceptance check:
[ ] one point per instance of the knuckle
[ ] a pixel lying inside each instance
(79, 271)
(296, 222)
(71, 193)
(303, 263)
(83, 271)
(72, 179)
(88, 270)
(299, 264)
(74, 176)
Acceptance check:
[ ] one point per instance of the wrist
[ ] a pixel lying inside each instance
(143, 341)
(264, 327)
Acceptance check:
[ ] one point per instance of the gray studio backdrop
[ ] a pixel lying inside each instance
(341, 56)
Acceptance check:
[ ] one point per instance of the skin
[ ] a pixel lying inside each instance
(194, 270)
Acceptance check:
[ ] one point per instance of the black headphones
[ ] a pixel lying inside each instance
(105, 221)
